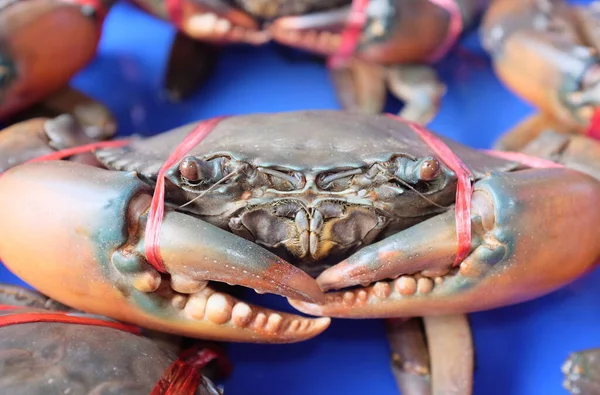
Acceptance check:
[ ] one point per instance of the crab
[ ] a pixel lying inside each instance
(393, 47)
(546, 52)
(75, 357)
(33, 35)
(345, 214)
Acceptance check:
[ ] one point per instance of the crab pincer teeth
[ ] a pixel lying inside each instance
(195, 252)
(252, 321)
(428, 248)
(317, 32)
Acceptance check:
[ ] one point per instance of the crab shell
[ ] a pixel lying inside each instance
(38, 357)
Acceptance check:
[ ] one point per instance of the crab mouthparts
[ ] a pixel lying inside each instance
(310, 237)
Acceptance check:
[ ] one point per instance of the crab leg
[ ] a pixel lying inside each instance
(191, 62)
(581, 372)
(442, 364)
(40, 136)
(410, 357)
(97, 120)
(517, 220)
(79, 238)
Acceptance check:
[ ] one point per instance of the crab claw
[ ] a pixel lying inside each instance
(80, 237)
(44, 43)
(523, 247)
(217, 21)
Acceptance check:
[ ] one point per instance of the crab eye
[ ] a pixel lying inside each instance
(429, 169)
(415, 171)
(193, 170)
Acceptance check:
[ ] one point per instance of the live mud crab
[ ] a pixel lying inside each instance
(369, 214)
(74, 353)
(546, 51)
(395, 44)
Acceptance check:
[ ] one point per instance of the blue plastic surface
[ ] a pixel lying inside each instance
(519, 349)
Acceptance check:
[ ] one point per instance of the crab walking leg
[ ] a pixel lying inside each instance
(451, 352)
(523, 247)
(79, 238)
(360, 86)
(410, 357)
(433, 355)
(41, 136)
(582, 372)
(89, 113)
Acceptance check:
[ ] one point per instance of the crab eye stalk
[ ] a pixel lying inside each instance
(415, 171)
(193, 170)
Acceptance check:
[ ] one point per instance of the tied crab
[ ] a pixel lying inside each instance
(77, 353)
(546, 51)
(364, 206)
(372, 45)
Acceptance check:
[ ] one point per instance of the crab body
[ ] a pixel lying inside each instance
(363, 190)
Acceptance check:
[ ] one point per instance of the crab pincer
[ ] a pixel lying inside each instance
(520, 246)
(44, 43)
(95, 242)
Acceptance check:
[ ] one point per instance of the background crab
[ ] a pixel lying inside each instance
(392, 46)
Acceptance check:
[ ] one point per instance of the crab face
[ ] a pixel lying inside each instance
(314, 188)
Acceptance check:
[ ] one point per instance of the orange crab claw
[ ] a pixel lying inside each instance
(79, 238)
(523, 247)
(44, 43)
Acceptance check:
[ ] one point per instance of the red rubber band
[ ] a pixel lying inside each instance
(65, 153)
(175, 12)
(593, 130)
(455, 28)
(527, 160)
(464, 188)
(157, 207)
(350, 35)
(183, 376)
(62, 317)
(82, 149)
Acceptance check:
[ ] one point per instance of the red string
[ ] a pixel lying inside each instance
(157, 208)
(350, 35)
(464, 188)
(527, 160)
(183, 376)
(62, 317)
(593, 130)
(175, 11)
(82, 149)
(455, 28)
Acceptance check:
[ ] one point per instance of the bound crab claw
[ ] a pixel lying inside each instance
(40, 53)
(89, 253)
(378, 45)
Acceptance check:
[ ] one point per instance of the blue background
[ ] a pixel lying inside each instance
(519, 349)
